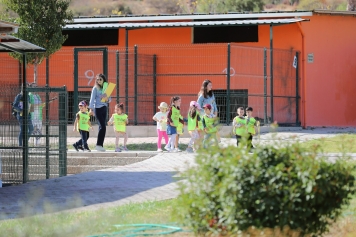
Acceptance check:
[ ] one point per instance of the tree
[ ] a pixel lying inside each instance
(41, 23)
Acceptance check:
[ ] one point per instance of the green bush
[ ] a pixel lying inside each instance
(230, 190)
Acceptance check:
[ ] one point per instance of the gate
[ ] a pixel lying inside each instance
(46, 154)
(88, 62)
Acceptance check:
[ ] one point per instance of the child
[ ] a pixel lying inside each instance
(251, 127)
(120, 120)
(82, 124)
(161, 119)
(193, 125)
(180, 130)
(208, 122)
(173, 119)
(239, 125)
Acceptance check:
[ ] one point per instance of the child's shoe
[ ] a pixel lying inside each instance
(87, 150)
(75, 147)
(124, 148)
(117, 150)
(159, 150)
(189, 150)
(167, 148)
(174, 150)
(80, 147)
(99, 148)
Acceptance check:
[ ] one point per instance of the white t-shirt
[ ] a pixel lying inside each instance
(161, 116)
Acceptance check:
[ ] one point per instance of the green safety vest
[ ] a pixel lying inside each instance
(83, 121)
(241, 131)
(192, 122)
(251, 125)
(209, 122)
(175, 116)
(180, 127)
(120, 122)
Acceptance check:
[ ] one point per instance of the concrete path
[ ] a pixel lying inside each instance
(152, 179)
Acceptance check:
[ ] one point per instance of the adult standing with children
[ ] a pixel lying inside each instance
(98, 106)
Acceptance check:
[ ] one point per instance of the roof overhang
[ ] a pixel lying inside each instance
(10, 43)
(183, 24)
(8, 28)
(329, 12)
(189, 17)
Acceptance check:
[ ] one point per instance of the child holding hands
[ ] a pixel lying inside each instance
(120, 120)
(173, 119)
(82, 124)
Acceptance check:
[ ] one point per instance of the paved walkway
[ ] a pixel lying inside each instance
(152, 179)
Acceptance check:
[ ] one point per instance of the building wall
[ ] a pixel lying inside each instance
(330, 79)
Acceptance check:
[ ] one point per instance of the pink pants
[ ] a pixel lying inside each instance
(160, 135)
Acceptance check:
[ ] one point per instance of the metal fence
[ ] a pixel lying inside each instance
(147, 75)
(45, 154)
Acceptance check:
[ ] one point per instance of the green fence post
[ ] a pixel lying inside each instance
(75, 91)
(24, 122)
(297, 89)
(135, 82)
(47, 119)
(62, 106)
(154, 83)
(228, 85)
(117, 76)
(265, 85)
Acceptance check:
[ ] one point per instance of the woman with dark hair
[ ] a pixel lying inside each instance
(98, 106)
(206, 96)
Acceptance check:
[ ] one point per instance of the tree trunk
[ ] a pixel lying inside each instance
(351, 5)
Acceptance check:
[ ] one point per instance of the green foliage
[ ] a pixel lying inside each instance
(41, 23)
(229, 5)
(230, 190)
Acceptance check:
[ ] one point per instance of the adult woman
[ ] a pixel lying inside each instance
(206, 96)
(98, 106)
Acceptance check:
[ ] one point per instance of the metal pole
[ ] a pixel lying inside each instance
(265, 84)
(117, 76)
(24, 122)
(47, 119)
(75, 92)
(135, 80)
(228, 85)
(297, 90)
(127, 70)
(271, 68)
(154, 83)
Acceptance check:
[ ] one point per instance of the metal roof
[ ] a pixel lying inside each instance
(10, 43)
(183, 24)
(328, 12)
(7, 27)
(182, 17)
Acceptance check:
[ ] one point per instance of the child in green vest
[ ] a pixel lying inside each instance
(251, 127)
(82, 125)
(180, 131)
(210, 129)
(239, 125)
(120, 120)
(193, 125)
(173, 119)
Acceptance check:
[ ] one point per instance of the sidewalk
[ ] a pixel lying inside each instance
(152, 179)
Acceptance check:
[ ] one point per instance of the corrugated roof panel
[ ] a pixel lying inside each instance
(183, 24)
(10, 43)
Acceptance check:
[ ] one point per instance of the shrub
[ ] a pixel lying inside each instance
(230, 190)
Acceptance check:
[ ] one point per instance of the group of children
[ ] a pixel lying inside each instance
(202, 126)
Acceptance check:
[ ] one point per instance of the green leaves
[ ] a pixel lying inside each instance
(233, 190)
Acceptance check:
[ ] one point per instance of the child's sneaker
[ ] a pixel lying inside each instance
(159, 150)
(124, 148)
(80, 147)
(75, 147)
(87, 150)
(117, 150)
(167, 148)
(189, 150)
(178, 150)
(99, 148)
(174, 150)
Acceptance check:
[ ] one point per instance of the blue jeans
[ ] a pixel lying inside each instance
(29, 126)
(209, 140)
(100, 115)
(84, 138)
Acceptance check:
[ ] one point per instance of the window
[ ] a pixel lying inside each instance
(92, 37)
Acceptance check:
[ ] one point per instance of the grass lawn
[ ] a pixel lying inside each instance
(90, 223)
(338, 143)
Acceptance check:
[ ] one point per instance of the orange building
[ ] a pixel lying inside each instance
(292, 67)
